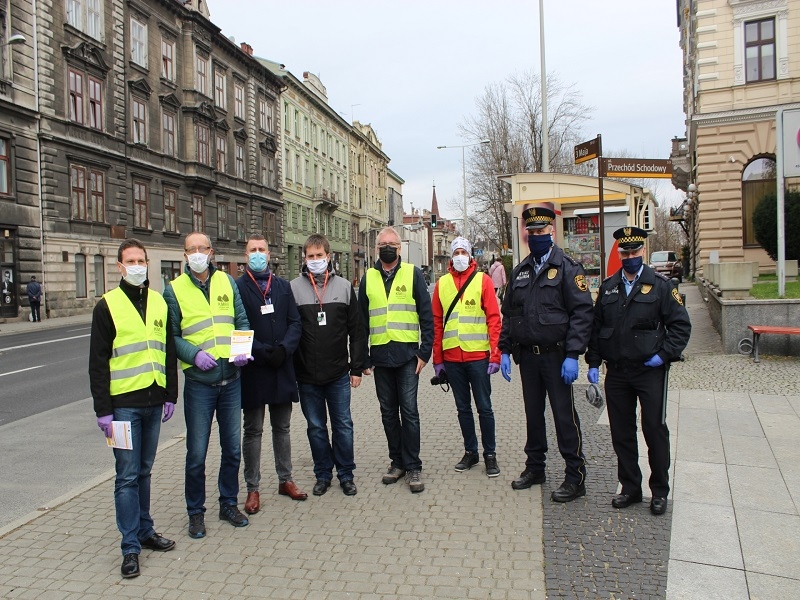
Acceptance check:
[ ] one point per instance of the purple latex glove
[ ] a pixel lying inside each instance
(655, 361)
(439, 369)
(594, 375)
(241, 360)
(204, 361)
(169, 408)
(104, 423)
(493, 368)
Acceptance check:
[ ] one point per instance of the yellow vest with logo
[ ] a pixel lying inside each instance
(206, 324)
(466, 326)
(139, 350)
(393, 318)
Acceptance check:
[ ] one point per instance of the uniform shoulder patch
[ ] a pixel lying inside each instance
(677, 295)
(580, 282)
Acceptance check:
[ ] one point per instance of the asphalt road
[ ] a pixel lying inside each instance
(50, 444)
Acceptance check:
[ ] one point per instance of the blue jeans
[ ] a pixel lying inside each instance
(200, 403)
(461, 376)
(317, 401)
(396, 388)
(132, 484)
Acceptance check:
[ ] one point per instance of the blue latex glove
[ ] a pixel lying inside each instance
(169, 409)
(241, 360)
(493, 368)
(438, 369)
(104, 423)
(655, 361)
(204, 361)
(569, 370)
(505, 366)
(594, 375)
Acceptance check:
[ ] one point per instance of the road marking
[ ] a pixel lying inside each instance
(21, 370)
(78, 329)
(66, 339)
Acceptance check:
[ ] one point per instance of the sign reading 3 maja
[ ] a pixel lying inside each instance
(636, 167)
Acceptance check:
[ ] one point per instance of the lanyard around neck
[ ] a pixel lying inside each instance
(314, 285)
(266, 289)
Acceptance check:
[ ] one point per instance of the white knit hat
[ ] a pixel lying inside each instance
(460, 242)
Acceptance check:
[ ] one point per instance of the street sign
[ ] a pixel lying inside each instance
(648, 168)
(587, 151)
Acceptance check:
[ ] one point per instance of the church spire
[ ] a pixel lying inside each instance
(434, 203)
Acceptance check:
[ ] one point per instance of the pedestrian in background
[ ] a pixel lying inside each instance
(133, 377)
(547, 320)
(205, 308)
(640, 326)
(498, 274)
(34, 291)
(329, 361)
(466, 327)
(396, 310)
(269, 380)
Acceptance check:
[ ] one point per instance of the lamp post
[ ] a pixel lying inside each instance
(15, 40)
(464, 173)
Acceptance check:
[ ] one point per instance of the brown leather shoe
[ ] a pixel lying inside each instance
(289, 488)
(252, 505)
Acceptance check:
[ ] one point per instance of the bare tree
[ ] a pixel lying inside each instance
(509, 114)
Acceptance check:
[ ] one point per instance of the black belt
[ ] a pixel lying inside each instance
(536, 349)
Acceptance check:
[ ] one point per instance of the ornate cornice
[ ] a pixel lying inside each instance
(87, 55)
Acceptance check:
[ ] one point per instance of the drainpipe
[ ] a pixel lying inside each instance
(35, 11)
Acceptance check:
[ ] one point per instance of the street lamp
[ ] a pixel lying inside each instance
(15, 40)
(464, 173)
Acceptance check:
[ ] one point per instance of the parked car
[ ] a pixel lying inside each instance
(667, 263)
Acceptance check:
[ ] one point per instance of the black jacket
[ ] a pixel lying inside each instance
(629, 330)
(100, 348)
(270, 378)
(553, 307)
(327, 352)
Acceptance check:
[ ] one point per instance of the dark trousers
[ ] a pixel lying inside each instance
(35, 306)
(623, 388)
(396, 388)
(541, 377)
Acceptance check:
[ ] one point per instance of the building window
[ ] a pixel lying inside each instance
(271, 179)
(305, 130)
(241, 222)
(97, 204)
(140, 205)
(758, 180)
(219, 88)
(222, 147)
(168, 60)
(197, 213)
(269, 228)
(139, 121)
(75, 96)
(759, 49)
(286, 116)
(296, 123)
(270, 118)
(170, 270)
(202, 145)
(170, 210)
(80, 276)
(138, 43)
(75, 13)
(99, 275)
(297, 172)
(5, 167)
(95, 103)
(201, 82)
(238, 100)
(240, 170)
(87, 16)
(222, 220)
(168, 133)
(262, 114)
(287, 165)
(306, 173)
(264, 171)
(77, 184)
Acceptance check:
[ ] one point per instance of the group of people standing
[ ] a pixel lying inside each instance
(315, 339)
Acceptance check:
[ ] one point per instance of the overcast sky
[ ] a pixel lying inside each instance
(413, 69)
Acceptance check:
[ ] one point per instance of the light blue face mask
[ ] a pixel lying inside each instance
(258, 261)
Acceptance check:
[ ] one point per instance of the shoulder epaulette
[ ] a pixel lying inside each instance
(661, 275)
(570, 259)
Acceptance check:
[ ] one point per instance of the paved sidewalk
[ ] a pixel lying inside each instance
(732, 530)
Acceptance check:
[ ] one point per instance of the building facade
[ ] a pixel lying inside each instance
(154, 125)
(740, 66)
(20, 221)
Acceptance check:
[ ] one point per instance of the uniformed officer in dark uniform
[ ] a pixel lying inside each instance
(547, 320)
(640, 326)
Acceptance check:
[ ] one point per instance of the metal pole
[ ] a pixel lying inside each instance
(781, 267)
(601, 215)
(464, 178)
(543, 77)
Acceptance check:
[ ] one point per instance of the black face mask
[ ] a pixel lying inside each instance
(387, 254)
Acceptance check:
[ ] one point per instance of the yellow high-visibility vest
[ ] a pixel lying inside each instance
(466, 326)
(393, 318)
(139, 350)
(206, 324)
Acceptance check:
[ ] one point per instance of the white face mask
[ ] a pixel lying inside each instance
(317, 266)
(135, 274)
(460, 263)
(198, 262)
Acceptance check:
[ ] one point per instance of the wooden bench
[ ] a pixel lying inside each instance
(760, 329)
